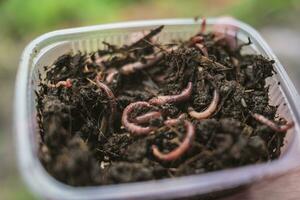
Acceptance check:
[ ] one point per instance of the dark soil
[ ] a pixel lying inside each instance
(79, 145)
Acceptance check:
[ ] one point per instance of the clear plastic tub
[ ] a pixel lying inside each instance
(46, 48)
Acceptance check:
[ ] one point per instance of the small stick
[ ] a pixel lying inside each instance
(67, 84)
(183, 96)
(111, 98)
(147, 117)
(130, 126)
(210, 109)
(206, 59)
(86, 69)
(154, 45)
(103, 127)
(150, 35)
(279, 128)
(181, 149)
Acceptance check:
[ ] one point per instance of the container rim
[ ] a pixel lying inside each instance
(43, 184)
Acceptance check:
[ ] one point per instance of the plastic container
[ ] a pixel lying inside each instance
(46, 48)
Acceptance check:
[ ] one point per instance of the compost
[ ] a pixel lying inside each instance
(151, 110)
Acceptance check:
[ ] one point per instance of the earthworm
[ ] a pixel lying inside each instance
(67, 84)
(182, 148)
(111, 99)
(198, 42)
(220, 29)
(111, 74)
(130, 126)
(183, 96)
(279, 128)
(150, 61)
(210, 109)
(170, 122)
(146, 37)
(147, 117)
(203, 25)
(202, 48)
(197, 39)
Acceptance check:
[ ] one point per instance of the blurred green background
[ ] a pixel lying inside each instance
(21, 21)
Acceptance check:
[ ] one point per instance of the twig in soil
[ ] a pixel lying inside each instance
(224, 99)
(149, 82)
(183, 96)
(150, 61)
(206, 59)
(154, 45)
(181, 149)
(147, 117)
(130, 126)
(210, 109)
(103, 127)
(279, 128)
(67, 84)
(109, 152)
(111, 99)
(147, 37)
(244, 44)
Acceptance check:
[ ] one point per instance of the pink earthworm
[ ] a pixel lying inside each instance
(202, 48)
(210, 109)
(111, 98)
(279, 128)
(198, 42)
(197, 39)
(181, 149)
(150, 61)
(203, 25)
(129, 125)
(170, 122)
(183, 96)
(67, 84)
(111, 75)
(147, 117)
